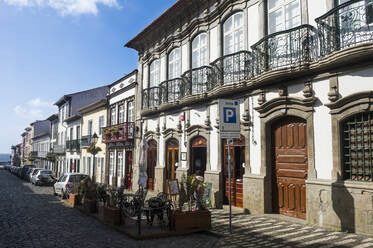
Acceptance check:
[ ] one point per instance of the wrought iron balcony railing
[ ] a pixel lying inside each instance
(292, 47)
(171, 90)
(73, 145)
(59, 149)
(197, 81)
(232, 68)
(119, 133)
(33, 154)
(85, 141)
(347, 25)
(151, 97)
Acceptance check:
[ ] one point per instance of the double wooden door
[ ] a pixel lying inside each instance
(152, 162)
(172, 162)
(290, 165)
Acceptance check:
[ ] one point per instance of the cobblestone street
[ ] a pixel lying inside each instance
(31, 216)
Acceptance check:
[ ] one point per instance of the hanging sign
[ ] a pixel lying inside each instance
(229, 119)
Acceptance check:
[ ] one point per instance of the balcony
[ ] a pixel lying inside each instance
(85, 141)
(349, 24)
(119, 133)
(33, 154)
(151, 97)
(59, 149)
(198, 81)
(289, 48)
(233, 68)
(171, 90)
(73, 145)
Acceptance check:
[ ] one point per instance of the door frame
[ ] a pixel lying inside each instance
(270, 112)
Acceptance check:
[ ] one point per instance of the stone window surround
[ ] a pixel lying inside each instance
(272, 111)
(340, 110)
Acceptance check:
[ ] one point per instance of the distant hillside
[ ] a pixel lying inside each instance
(4, 157)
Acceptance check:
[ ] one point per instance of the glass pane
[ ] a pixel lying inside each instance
(228, 44)
(238, 20)
(195, 43)
(275, 21)
(292, 14)
(228, 25)
(195, 59)
(238, 41)
(273, 3)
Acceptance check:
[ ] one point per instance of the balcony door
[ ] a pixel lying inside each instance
(199, 59)
(172, 158)
(198, 156)
(152, 163)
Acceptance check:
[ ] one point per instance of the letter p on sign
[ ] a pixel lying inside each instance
(229, 115)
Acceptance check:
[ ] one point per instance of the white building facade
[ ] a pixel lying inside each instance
(302, 72)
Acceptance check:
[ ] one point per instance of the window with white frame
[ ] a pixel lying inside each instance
(154, 76)
(101, 123)
(174, 64)
(283, 14)
(233, 34)
(130, 111)
(90, 124)
(112, 116)
(111, 164)
(121, 113)
(120, 164)
(199, 51)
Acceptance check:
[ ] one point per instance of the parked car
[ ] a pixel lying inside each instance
(24, 170)
(44, 177)
(66, 182)
(33, 174)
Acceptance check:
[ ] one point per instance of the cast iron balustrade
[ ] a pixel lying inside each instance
(73, 145)
(171, 90)
(347, 25)
(197, 81)
(292, 47)
(118, 133)
(151, 97)
(232, 68)
(85, 141)
(33, 154)
(58, 149)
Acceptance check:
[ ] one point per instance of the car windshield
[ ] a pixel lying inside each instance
(46, 172)
(76, 178)
(35, 171)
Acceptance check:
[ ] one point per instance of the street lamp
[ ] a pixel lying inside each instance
(94, 151)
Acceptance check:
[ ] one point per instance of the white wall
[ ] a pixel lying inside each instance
(214, 41)
(214, 138)
(355, 82)
(322, 132)
(198, 116)
(316, 9)
(255, 151)
(184, 58)
(122, 96)
(253, 24)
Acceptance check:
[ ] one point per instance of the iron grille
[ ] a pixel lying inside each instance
(358, 147)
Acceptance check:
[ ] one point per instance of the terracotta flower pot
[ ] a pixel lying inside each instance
(73, 200)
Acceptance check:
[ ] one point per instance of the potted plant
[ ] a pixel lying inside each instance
(87, 191)
(111, 211)
(74, 196)
(197, 217)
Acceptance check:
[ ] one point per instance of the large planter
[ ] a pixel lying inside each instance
(112, 216)
(73, 200)
(188, 221)
(89, 205)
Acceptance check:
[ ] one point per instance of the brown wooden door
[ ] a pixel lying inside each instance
(290, 167)
(152, 162)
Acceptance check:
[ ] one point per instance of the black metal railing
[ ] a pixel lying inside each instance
(347, 25)
(85, 141)
(171, 90)
(292, 47)
(73, 145)
(232, 68)
(33, 154)
(151, 97)
(197, 81)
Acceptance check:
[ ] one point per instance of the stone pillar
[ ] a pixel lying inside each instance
(263, 19)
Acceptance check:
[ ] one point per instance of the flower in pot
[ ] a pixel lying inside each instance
(88, 192)
(111, 211)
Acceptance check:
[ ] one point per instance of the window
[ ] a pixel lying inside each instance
(233, 34)
(71, 133)
(112, 116)
(90, 124)
(121, 113)
(111, 164)
(130, 111)
(101, 121)
(88, 166)
(199, 51)
(154, 74)
(78, 132)
(283, 14)
(174, 64)
(357, 149)
(120, 164)
(84, 165)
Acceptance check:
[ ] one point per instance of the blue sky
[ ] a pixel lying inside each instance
(49, 48)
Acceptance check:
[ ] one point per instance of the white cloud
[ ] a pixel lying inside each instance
(35, 109)
(66, 7)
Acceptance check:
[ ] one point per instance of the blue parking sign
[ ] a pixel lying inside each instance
(229, 115)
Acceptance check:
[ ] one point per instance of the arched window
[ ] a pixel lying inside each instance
(283, 14)
(199, 51)
(154, 75)
(233, 34)
(357, 147)
(174, 64)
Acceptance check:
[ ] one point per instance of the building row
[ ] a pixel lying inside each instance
(302, 73)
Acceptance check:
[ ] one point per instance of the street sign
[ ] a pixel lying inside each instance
(229, 119)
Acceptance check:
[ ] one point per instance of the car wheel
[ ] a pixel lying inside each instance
(54, 192)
